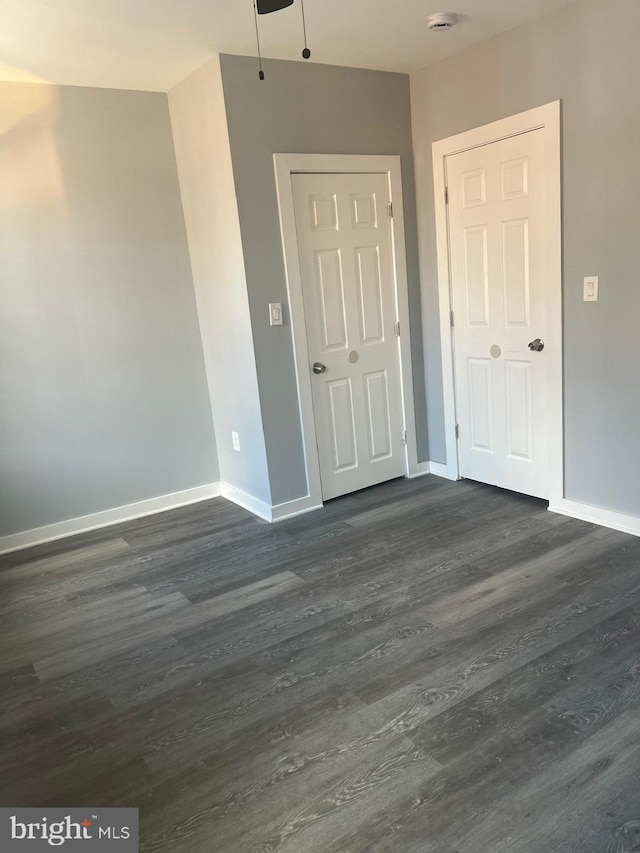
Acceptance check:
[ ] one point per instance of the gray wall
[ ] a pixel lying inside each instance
(307, 108)
(573, 55)
(103, 397)
(211, 215)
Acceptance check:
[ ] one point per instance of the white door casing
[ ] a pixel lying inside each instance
(499, 270)
(344, 245)
(287, 166)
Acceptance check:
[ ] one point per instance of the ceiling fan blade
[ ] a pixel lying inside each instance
(267, 6)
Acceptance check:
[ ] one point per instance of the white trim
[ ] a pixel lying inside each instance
(444, 296)
(290, 509)
(277, 512)
(597, 515)
(421, 469)
(117, 515)
(152, 506)
(548, 117)
(285, 165)
(439, 469)
(247, 501)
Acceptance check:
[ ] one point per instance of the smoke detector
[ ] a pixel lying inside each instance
(443, 22)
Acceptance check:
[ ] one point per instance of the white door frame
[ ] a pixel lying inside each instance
(546, 117)
(285, 166)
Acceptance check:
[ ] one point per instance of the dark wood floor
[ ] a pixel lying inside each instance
(424, 666)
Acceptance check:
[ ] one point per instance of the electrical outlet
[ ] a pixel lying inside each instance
(235, 440)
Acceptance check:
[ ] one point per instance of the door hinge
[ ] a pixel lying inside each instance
(457, 431)
(390, 209)
(446, 195)
(404, 436)
(396, 328)
(451, 318)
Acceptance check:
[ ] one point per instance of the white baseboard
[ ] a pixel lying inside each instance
(420, 470)
(247, 501)
(278, 512)
(597, 515)
(117, 515)
(151, 506)
(290, 509)
(440, 469)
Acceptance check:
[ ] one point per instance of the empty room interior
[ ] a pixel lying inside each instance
(319, 424)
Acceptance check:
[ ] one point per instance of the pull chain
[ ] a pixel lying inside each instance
(306, 53)
(255, 17)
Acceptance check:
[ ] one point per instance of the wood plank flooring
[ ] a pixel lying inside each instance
(423, 666)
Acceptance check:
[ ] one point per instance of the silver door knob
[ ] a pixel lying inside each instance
(318, 367)
(537, 345)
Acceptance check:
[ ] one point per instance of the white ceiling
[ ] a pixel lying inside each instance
(153, 44)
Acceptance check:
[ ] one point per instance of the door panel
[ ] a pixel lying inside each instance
(346, 263)
(497, 197)
(377, 410)
(324, 212)
(476, 275)
(330, 298)
(369, 288)
(515, 272)
(343, 428)
(364, 210)
(480, 414)
(518, 406)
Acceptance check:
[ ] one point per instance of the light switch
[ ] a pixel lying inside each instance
(275, 313)
(590, 293)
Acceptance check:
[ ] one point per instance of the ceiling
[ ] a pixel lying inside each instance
(153, 44)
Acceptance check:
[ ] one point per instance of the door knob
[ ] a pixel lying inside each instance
(537, 345)
(318, 367)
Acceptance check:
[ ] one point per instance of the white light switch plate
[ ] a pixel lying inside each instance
(275, 313)
(590, 293)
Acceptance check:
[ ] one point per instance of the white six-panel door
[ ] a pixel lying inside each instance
(499, 278)
(346, 264)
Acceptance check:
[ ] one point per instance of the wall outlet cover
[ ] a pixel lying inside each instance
(590, 291)
(275, 313)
